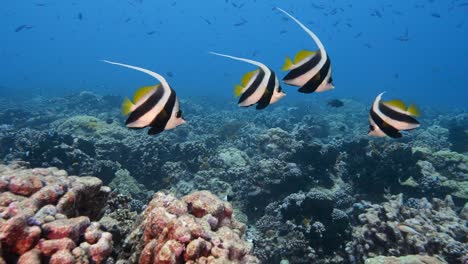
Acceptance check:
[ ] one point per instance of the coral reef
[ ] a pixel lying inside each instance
(415, 226)
(198, 228)
(46, 215)
(293, 173)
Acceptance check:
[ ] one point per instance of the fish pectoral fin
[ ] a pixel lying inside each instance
(238, 90)
(303, 54)
(413, 110)
(127, 106)
(247, 77)
(288, 64)
(140, 93)
(397, 103)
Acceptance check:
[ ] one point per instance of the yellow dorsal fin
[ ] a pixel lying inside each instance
(287, 64)
(413, 110)
(399, 104)
(140, 93)
(301, 55)
(127, 106)
(247, 77)
(238, 90)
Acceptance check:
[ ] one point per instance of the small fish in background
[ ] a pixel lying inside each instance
(389, 118)
(80, 16)
(436, 15)
(241, 23)
(155, 106)
(404, 37)
(310, 70)
(149, 33)
(335, 103)
(206, 20)
(22, 27)
(260, 86)
(170, 74)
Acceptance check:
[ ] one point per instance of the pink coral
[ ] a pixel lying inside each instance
(44, 212)
(199, 228)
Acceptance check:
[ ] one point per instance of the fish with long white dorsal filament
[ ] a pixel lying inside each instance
(155, 106)
(310, 70)
(260, 86)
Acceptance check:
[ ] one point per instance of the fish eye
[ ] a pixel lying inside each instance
(280, 89)
(179, 114)
(371, 128)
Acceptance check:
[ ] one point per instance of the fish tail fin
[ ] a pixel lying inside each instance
(238, 90)
(127, 106)
(288, 64)
(413, 110)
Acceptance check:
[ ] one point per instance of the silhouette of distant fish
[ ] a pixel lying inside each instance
(335, 103)
(23, 27)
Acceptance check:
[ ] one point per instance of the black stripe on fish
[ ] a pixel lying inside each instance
(266, 97)
(311, 85)
(160, 121)
(252, 88)
(304, 68)
(385, 127)
(397, 116)
(146, 106)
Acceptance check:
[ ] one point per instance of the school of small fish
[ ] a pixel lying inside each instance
(157, 107)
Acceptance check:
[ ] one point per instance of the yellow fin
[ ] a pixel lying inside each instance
(140, 93)
(238, 90)
(301, 55)
(397, 104)
(126, 106)
(413, 110)
(247, 77)
(287, 64)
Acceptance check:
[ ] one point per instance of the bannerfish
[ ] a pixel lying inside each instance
(310, 70)
(153, 106)
(260, 86)
(389, 118)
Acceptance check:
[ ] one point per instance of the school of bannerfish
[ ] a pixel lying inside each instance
(157, 106)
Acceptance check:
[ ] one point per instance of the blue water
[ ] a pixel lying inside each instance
(58, 51)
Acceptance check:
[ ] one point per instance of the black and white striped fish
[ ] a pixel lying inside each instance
(310, 70)
(389, 118)
(260, 86)
(153, 106)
